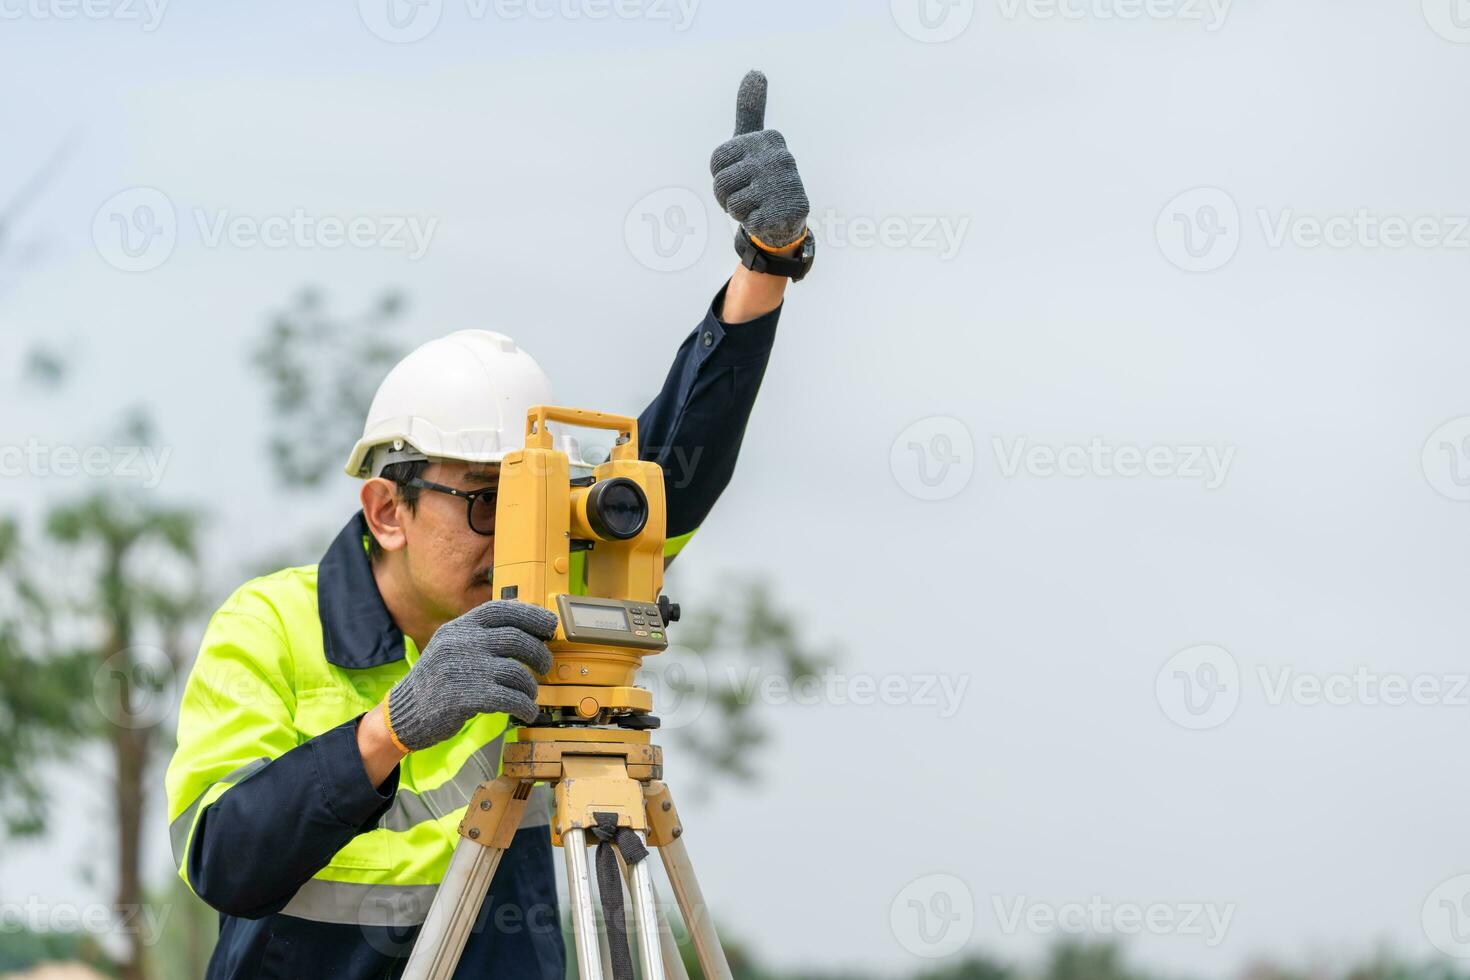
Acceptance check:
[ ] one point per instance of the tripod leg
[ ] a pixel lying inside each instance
(666, 833)
(579, 893)
(696, 914)
(456, 905)
(645, 911)
(668, 945)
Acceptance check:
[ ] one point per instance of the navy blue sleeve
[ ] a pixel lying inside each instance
(270, 833)
(694, 428)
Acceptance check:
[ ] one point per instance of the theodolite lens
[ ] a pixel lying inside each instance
(617, 509)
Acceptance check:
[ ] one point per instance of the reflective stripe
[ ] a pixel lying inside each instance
(410, 808)
(364, 905)
(178, 831)
(353, 903)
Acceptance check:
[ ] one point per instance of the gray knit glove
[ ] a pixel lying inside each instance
(755, 175)
(476, 664)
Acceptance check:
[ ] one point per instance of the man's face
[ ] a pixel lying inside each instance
(448, 562)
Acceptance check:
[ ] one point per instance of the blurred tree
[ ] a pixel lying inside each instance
(970, 968)
(188, 935)
(15, 251)
(321, 372)
(735, 639)
(1077, 960)
(39, 706)
(123, 550)
(92, 623)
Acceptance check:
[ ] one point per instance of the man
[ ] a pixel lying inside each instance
(323, 763)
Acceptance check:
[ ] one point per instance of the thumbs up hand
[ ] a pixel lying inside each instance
(756, 180)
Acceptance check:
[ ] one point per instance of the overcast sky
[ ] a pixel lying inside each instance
(1117, 437)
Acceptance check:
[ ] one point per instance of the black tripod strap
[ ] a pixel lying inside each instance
(610, 886)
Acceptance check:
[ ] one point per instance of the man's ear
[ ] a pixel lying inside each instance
(380, 505)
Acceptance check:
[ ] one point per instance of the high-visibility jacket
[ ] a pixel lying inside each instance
(316, 872)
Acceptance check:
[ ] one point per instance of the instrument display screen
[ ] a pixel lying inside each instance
(598, 617)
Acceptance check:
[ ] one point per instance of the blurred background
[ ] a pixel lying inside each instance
(1084, 603)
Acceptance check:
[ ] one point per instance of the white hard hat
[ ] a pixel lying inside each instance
(461, 397)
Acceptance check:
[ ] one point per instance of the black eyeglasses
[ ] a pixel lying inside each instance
(479, 504)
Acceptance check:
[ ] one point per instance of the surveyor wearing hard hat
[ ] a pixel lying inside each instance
(339, 715)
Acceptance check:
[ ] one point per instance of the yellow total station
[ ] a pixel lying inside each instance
(615, 520)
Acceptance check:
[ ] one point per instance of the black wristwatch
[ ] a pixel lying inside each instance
(757, 259)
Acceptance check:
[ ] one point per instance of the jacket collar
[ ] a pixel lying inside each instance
(357, 631)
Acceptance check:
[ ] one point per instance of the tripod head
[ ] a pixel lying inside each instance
(552, 528)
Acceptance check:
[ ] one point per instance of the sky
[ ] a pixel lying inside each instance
(1119, 439)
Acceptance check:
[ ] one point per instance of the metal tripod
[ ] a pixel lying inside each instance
(599, 775)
